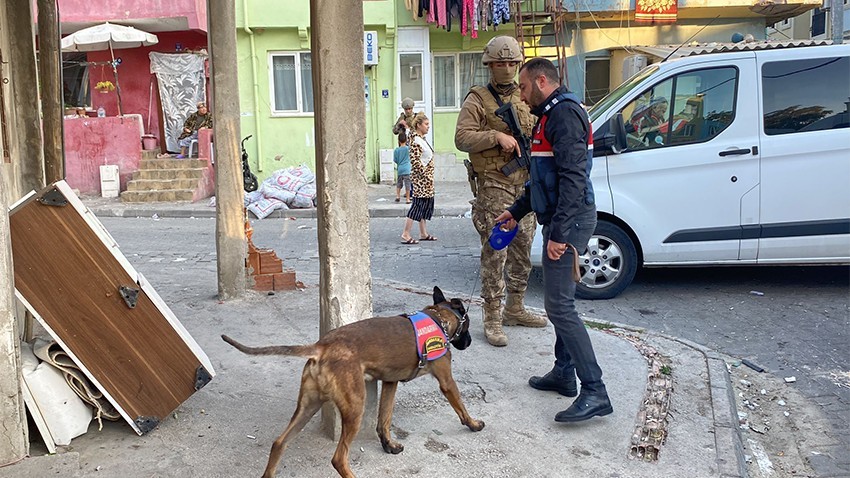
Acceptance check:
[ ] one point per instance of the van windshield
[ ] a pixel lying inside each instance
(605, 103)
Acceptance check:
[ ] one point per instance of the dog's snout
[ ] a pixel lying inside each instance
(463, 341)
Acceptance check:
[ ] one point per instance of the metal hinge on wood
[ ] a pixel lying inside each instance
(53, 198)
(202, 377)
(130, 295)
(146, 424)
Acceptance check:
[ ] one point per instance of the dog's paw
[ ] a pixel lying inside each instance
(475, 425)
(392, 447)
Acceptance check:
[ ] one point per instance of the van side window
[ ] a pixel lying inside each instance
(689, 108)
(806, 95)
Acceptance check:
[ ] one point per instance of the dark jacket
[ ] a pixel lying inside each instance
(566, 128)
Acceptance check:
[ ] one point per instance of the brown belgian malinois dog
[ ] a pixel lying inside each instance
(380, 348)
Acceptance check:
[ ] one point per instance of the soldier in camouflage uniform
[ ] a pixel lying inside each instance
(405, 119)
(490, 145)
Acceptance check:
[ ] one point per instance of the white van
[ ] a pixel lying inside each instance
(721, 159)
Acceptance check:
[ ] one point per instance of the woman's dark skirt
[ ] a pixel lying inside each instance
(422, 208)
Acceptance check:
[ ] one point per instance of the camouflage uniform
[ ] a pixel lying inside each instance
(406, 103)
(509, 268)
(398, 127)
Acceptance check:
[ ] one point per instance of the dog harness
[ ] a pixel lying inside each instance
(431, 341)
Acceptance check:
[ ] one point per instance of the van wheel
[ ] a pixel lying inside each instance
(608, 265)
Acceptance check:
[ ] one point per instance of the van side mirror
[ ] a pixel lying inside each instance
(611, 137)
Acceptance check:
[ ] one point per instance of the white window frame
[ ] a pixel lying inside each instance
(460, 95)
(298, 85)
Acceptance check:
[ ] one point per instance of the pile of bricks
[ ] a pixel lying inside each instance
(265, 270)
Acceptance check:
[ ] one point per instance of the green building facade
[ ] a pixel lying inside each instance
(413, 58)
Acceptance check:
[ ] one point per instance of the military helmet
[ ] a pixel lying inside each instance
(407, 103)
(502, 48)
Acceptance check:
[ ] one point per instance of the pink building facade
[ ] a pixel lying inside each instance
(180, 25)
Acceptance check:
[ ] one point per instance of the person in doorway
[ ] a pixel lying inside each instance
(567, 211)
(202, 118)
(422, 176)
(401, 158)
(491, 148)
(403, 123)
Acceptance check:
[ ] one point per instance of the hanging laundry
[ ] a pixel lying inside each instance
(441, 14)
(501, 12)
(485, 18)
(467, 18)
(451, 7)
(476, 16)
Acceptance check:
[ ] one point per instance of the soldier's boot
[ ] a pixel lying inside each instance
(515, 313)
(493, 324)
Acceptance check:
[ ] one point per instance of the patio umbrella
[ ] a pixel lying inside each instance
(108, 36)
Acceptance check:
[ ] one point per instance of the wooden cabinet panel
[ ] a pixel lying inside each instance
(70, 273)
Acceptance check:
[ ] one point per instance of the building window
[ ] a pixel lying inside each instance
(596, 79)
(75, 80)
(454, 74)
(792, 105)
(818, 22)
(291, 83)
(692, 107)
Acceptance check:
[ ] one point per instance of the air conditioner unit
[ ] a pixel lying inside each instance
(633, 64)
(370, 48)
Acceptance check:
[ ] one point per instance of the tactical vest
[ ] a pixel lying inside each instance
(490, 161)
(544, 183)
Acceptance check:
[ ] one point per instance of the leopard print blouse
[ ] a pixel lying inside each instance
(422, 175)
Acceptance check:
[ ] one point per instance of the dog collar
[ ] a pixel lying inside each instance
(431, 341)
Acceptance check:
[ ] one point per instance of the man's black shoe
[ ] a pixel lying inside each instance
(553, 383)
(585, 407)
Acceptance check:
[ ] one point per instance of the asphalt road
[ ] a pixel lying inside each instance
(793, 321)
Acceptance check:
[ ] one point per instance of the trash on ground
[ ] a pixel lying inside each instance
(753, 366)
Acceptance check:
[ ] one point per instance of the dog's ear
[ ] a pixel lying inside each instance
(439, 298)
(457, 304)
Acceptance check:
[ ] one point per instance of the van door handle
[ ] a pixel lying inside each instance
(735, 152)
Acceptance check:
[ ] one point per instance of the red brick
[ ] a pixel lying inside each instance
(284, 280)
(269, 263)
(263, 282)
(253, 263)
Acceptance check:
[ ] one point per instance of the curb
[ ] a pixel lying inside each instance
(209, 212)
(727, 435)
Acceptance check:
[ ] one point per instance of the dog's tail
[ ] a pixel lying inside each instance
(306, 351)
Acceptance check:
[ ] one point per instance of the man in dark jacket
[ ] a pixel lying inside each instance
(561, 194)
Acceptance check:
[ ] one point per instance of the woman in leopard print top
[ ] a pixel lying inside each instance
(422, 175)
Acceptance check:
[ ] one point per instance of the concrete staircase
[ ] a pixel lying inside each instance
(169, 180)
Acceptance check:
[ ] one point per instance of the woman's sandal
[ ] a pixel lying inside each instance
(429, 237)
(409, 241)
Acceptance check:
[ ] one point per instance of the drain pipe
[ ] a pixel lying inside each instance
(257, 134)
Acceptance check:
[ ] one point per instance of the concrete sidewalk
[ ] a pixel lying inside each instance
(452, 199)
(226, 429)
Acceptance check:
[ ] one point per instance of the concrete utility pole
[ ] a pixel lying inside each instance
(13, 421)
(345, 280)
(231, 242)
(50, 77)
(836, 23)
(26, 137)
(12, 416)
